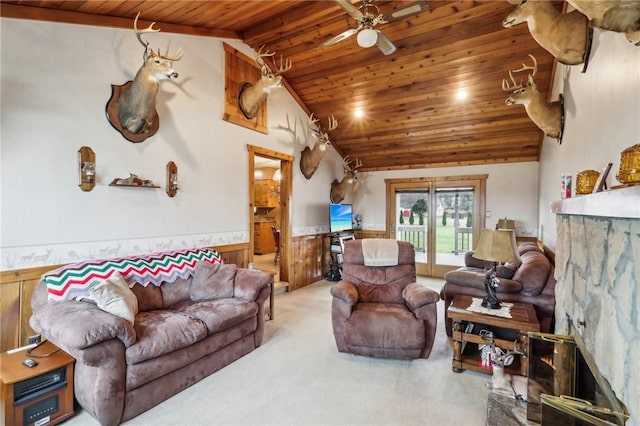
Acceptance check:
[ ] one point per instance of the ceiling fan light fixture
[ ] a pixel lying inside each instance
(367, 37)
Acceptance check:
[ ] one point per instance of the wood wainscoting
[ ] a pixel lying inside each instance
(16, 288)
(311, 255)
(307, 260)
(361, 234)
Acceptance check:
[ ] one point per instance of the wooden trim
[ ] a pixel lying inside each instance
(63, 16)
(34, 273)
(286, 188)
(240, 71)
(436, 179)
(17, 286)
(432, 184)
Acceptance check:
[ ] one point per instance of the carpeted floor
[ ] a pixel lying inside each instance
(297, 377)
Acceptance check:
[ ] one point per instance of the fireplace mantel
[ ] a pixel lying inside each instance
(620, 203)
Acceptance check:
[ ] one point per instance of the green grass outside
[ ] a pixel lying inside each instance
(444, 239)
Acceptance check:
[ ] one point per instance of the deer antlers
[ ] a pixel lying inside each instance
(320, 132)
(534, 68)
(150, 29)
(284, 66)
(347, 166)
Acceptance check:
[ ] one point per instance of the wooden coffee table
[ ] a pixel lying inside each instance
(467, 325)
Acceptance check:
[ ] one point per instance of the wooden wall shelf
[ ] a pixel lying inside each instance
(134, 186)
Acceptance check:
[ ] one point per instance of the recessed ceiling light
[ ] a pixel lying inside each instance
(461, 94)
(359, 113)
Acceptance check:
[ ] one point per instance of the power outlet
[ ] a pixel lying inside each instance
(33, 339)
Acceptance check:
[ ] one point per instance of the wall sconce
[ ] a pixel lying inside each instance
(172, 179)
(86, 168)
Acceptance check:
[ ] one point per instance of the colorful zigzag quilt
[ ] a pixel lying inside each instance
(74, 280)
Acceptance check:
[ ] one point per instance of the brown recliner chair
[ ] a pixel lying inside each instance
(380, 311)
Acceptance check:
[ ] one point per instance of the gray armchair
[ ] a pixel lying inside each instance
(380, 311)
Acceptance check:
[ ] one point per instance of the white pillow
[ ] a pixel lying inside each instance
(113, 295)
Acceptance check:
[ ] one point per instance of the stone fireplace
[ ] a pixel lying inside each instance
(598, 284)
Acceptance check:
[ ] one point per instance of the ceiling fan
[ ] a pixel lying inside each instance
(367, 16)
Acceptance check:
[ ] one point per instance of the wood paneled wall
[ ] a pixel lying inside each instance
(360, 234)
(16, 288)
(307, 260)
(311, 257)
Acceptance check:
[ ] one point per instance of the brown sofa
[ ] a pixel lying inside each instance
(380, 311)
(533, 282)
(122, 370)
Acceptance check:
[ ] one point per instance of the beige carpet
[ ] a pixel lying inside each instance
(297, 377)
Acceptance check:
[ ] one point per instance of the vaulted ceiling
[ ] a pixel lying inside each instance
(412, 116)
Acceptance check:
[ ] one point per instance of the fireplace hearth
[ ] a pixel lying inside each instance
(598, 286)
(565, 386)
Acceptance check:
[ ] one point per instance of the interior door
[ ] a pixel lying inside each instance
(284, 201)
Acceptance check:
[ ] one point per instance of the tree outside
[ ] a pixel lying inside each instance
(416, 204)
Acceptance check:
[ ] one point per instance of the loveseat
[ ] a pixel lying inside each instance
(532, 282)
(194, 315)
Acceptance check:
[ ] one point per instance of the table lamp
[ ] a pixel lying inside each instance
(506, 224)
(495, 246)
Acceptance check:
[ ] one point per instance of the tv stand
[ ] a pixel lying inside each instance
(336, 244)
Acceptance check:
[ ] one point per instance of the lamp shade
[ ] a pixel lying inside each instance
(497, 246)
(367, 37)
(506, 224)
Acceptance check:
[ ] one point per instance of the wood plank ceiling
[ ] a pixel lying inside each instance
(412, 118)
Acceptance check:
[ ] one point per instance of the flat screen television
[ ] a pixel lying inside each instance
(340, 217)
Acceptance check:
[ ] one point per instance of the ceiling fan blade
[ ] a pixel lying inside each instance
(342, 36)
(412, 9)
(384, 44)
(350, 9)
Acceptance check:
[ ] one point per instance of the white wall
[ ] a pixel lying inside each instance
(602, 119)
(512, 191)
(55, 83)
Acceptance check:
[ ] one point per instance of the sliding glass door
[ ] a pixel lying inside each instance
(440, 216)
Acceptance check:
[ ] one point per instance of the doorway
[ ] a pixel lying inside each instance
(270, 177)
(441, 217)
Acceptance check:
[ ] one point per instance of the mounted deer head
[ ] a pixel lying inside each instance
(548, 116)
(339, 189)
(137, 104)
(310, 158)
(251, 96)
(565, 36)
(612, 15)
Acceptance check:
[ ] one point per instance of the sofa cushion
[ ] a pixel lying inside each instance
(533, 272)
(508, 270)
(176, 291)
(113, 295)
(527, 247)
(161, 332)
(212, 281)
(219, 314)
(149, 297)
(384, 325)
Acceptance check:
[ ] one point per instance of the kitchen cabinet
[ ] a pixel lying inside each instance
(263, 242)
(266, 193)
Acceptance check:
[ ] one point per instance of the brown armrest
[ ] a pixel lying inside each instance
(248, 283)
(417, 296)
(472, 262)
(76, 325)
(345, 291)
